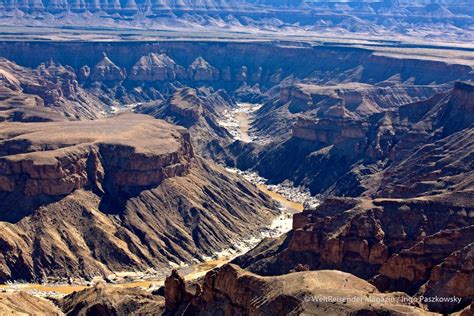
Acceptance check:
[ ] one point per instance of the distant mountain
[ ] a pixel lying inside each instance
(366, 16)
(130, 7)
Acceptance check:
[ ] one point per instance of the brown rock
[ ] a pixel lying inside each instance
(400, 241)
(175, 291)
(22, 303)
(232, 291)
(109, 300)
(125, 193)
(125, 163)
(453, 277)
(48, 93)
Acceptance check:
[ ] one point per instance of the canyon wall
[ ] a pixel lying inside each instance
(85, 198)
(269, 63)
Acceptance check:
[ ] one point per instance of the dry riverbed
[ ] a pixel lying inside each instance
(238, 121)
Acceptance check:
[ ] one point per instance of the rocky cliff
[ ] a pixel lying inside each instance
(230, 290)
(88, 198)
(199, 110)
(50, 92)
(344, 100)
(269, 65)
(411, 245)
(383, 154)
(111, 156)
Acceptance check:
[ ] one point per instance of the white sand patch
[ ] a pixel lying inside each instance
(238, 121)
(286, 188)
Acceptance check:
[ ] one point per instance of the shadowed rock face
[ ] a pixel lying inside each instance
(230, 290)
(398, 153)
(86, 198)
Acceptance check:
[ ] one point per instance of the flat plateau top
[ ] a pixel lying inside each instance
(142, 133)
(387, 44)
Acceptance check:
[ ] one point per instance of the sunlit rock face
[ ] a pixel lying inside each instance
(153, 67)
(106, 70)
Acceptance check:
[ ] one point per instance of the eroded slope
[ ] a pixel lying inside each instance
(127, 193)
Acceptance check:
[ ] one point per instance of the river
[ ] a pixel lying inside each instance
(237, 121)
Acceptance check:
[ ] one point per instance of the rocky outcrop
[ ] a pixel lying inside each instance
(49, 92)
(200, 111)
(349, 101)
(402, 244)
(201, 70)
(88, 198)
(104, 299)
(453, 277)
(19, 107)
(441, 262)
(331, 131)
(153, 67)
(106, 70)
(175, 292)
(87, 156)
(230, 290)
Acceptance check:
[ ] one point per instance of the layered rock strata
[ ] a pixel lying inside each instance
(200, 112)
(419, 246)
(87, 198)
(49, 92)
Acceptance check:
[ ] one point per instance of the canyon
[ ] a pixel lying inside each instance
(103, 187)
(161, 177)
